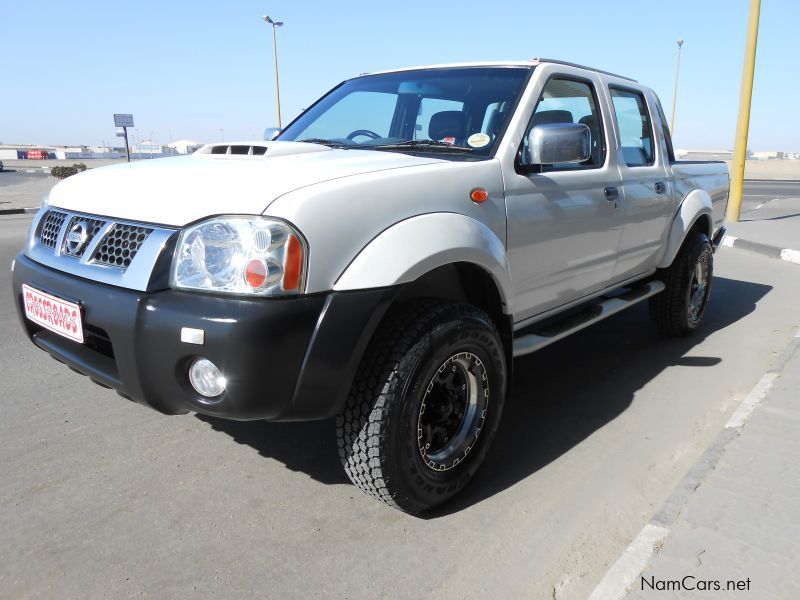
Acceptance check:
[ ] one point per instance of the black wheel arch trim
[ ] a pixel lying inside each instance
(345, 327)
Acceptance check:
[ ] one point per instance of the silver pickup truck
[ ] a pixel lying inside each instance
(382, 261)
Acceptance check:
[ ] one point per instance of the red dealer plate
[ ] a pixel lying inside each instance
(55, 314)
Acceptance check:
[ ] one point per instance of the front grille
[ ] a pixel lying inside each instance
(121, 244)
(51, 225)
(93, 226)
(100, 248)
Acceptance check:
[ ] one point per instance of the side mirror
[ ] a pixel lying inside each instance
(552, 143)
(270, 133)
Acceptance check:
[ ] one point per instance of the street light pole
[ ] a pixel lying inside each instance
(675, 94)
(275, 25)
(743, 123)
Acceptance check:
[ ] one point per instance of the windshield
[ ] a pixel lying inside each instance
(449, 111)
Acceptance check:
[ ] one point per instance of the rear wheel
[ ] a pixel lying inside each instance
(424, 406)
(679, 309)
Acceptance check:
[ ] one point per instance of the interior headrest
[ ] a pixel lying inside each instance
(447, 123)
(552, 116)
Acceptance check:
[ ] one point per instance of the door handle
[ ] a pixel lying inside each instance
(611, 194)
(661, 187)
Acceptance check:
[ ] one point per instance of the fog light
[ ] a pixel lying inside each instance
(206, 378)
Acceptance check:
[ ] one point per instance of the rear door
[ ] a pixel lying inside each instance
(563, 224)
(647, 204)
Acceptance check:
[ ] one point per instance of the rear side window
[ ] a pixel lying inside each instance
(635, 129)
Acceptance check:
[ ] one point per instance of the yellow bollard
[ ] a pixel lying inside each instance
(743, 123)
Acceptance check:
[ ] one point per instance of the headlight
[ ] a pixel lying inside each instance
(241, 255)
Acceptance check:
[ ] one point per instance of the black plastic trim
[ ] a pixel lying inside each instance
(718, 236)
(284, 358)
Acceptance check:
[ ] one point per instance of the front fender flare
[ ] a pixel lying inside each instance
(696, 204)
(409, 249)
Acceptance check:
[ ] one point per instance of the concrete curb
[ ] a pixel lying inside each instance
(623, 573)
(19, 211)
(787, 254)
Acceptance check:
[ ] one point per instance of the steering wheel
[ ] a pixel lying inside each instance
(366, 132)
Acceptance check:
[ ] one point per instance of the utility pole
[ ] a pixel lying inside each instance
(675, 94)
(743, 123)
(275, 25)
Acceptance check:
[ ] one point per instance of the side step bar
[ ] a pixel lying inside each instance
(604, 307)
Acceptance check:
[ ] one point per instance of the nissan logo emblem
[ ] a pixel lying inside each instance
(77, 236)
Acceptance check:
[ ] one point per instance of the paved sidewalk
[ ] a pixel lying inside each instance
(742, 524)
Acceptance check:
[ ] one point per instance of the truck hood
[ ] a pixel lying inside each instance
(177, 191)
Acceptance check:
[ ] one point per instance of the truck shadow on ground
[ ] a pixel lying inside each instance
(562, 394)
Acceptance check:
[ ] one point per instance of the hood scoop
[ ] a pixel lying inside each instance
(260, 149)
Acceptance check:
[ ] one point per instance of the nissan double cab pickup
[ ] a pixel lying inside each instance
(383, 261)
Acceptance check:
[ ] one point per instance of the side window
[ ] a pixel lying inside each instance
(635, 129)
(570, 101)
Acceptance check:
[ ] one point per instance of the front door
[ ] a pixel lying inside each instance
(563, 221)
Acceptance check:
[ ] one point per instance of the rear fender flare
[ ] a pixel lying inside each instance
(696, 204)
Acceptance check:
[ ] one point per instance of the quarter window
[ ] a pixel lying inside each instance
(635, 129)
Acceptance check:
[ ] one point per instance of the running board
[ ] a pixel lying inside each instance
(604, 307)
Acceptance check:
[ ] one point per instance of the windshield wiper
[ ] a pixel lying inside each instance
(427, 145)
(323, 142)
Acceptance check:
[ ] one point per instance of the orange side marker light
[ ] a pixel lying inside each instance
(479, 195)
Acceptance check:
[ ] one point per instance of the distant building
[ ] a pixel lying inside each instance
(73, 153)
(769, 155)
(184, 146)
(105, 152)
(147, 149)
(38, 152)
(682, 154)
(22, 151)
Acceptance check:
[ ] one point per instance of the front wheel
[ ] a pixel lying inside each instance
(424, 406)
(679, 309)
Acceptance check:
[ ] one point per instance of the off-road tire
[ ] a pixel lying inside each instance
(671, 308)
(378, 431)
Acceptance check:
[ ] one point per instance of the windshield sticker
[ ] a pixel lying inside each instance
(449, 140)
(478, 140)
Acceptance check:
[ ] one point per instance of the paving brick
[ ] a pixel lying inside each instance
(743, 521)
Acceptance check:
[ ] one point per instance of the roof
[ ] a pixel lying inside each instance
(503, 63)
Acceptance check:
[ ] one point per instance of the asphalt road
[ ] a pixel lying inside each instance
(756, 193)
(103, 498)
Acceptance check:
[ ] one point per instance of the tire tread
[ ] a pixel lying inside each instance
(361, 428)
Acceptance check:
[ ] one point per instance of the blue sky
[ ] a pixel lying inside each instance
(188, 69)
